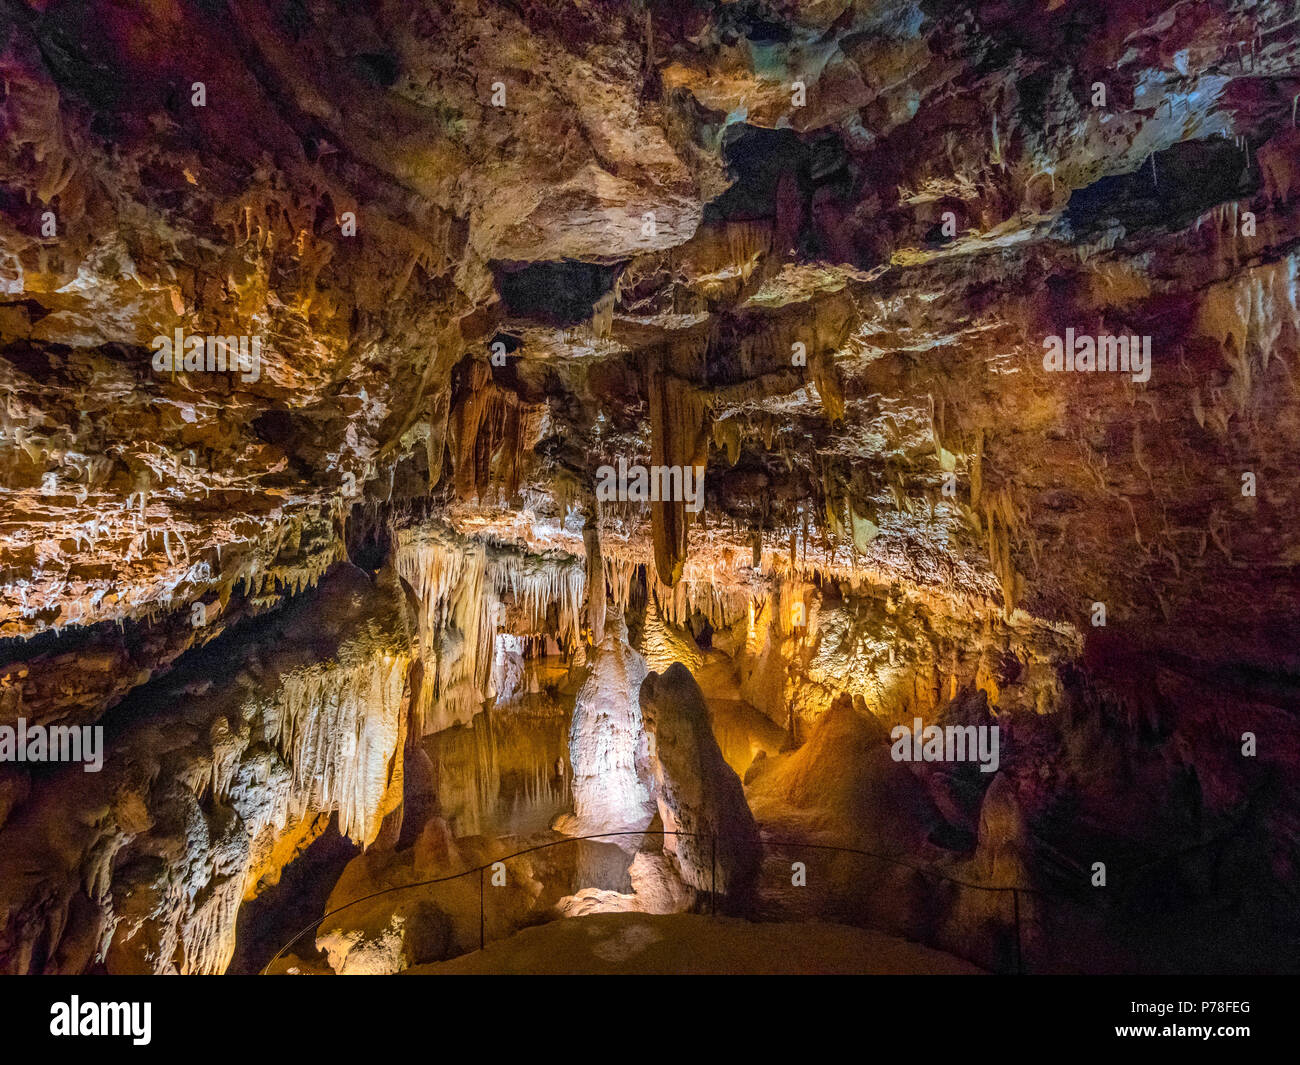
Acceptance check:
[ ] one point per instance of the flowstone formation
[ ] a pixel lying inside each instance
(455, 428)
(218, 775)
(608, 745)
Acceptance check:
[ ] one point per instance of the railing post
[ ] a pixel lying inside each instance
(714, 862)
(1020, 961)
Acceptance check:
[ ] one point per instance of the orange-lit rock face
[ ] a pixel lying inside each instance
(859, 313)
(288, 292)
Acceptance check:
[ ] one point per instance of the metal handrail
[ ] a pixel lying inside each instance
(1015, 889)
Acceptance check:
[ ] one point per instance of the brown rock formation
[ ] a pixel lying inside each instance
(318, 323)
(698, 794)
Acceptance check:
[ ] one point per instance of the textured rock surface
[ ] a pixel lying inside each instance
(698, 794)
(488, 249)
(133, 493)
(210, 790)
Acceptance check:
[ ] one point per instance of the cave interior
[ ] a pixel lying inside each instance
(649, 486)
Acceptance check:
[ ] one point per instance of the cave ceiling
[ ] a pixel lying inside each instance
(488, 249)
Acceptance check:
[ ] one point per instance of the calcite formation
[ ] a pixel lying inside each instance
(222, 775)
(712, 835)
(319, 323)
(608, 744)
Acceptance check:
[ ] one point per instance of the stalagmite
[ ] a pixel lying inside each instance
(607, 743)
(696, 791)
(665, 642)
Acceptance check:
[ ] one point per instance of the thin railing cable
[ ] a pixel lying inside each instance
(1016, 889)
(903, 863)
(481, 869)
(466, 872)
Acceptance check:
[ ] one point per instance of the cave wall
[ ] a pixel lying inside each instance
(479, 253)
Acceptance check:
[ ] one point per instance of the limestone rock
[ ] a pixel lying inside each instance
(607, 743)
(195, 802)
(696, 791)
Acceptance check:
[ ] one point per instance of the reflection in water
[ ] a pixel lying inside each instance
(507, 772)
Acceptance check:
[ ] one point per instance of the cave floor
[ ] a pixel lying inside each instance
(638, 943)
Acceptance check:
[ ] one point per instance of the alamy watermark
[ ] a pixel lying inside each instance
(651, 484)
(210, 354)
(948, 743)
(56, 743)
(77, 1018)
(1086, 354)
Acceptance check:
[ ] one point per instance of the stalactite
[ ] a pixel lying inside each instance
(1000, 522)
(826, 378)
(454, 622)
(678, 416)
(487, 433)
(461, 584)
(208, 934)
(535, 583)
(340, 726)
(746, 242)
(595, 582)
(602, 316)
(727, 436)
(436, 441)
(620, 572)
(1252, 317)
(864, 528)
(947, 460)
(722, 605)
(977, 468)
